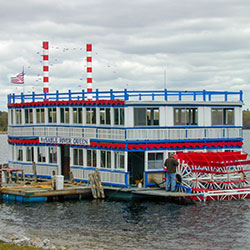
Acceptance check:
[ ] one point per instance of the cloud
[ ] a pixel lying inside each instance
(199, 44)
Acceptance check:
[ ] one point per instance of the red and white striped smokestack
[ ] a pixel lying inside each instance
(89, 67)
(46, 67)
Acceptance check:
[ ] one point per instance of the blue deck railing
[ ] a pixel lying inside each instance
(167, 95)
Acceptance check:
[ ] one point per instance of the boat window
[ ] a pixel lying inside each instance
(91, 157)
(139, 116)
(52, 115)
(64, 115)
(19, 153)
(78, 156)
(119, 116)
(146, 116)
(119, 160)
(40, 115)
(155, 160)
(105, 159)
(18, 116)
(91, 115)
(77, 115)
(105, 116)
(11, 116)
(41, 154)
(222, 116)
(29, 154)
(185, 116)
(28, 116)
(52, 155)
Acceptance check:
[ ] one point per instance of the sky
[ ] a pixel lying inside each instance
(137, 44)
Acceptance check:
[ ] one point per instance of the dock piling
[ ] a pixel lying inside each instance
(71, 177)
(53, 178)
(34, 171)
(1, 167)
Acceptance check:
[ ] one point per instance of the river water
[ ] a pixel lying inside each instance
(105, 224)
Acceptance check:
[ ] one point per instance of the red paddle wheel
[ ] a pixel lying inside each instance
(214, 175)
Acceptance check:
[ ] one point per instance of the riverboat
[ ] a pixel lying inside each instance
(128, 134)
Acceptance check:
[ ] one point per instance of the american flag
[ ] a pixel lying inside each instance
(18, 79)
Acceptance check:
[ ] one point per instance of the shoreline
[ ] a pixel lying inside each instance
(23, 242)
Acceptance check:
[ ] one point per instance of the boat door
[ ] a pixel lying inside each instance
(65, 161)
(135, 166)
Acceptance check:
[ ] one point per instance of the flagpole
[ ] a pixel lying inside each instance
(23, 80)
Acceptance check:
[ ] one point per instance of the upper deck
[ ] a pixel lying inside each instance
(128, 115)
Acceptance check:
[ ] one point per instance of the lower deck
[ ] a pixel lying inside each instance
(117, 168)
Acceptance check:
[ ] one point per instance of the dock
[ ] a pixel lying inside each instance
(44, 192)
(21, 190)
(162, 193)
(135, 193)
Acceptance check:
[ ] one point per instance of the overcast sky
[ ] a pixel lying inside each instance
(200, 44)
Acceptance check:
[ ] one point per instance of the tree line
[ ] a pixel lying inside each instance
(4, 120)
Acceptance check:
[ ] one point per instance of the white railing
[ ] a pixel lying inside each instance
(115, 134)
(44, 170)
(128, 134)
(108, 177)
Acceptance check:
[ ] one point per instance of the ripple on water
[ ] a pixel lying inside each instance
(111, 224)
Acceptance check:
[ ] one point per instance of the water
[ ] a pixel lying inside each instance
(98, 224)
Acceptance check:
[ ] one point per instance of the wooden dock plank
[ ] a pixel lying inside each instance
(37, 192)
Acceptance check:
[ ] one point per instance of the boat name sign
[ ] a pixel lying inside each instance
(64, 140)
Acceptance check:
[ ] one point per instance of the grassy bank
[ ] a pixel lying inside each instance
(5, 246)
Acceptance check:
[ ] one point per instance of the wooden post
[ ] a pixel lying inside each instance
(34, 171)
(92, 185)
(71, 177)
(16, 177)
(23, 176)
(8, 177)
(53, 180)
(1, 166)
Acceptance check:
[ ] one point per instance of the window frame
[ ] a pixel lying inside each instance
(190, 115)
(105, 159)
(52, 115)
(52, 155)
(224, 117)
(18, 113)
(91, 157)
(40, 116)
(154, 161)
(119, 116)
(64, 115)
(105, 116)
(90, 115)
(78, 156)
(41, 156)
(77, 115)
(119, 156)
(145, 116)
(29, 153)
(19, 153)
(28, 116)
